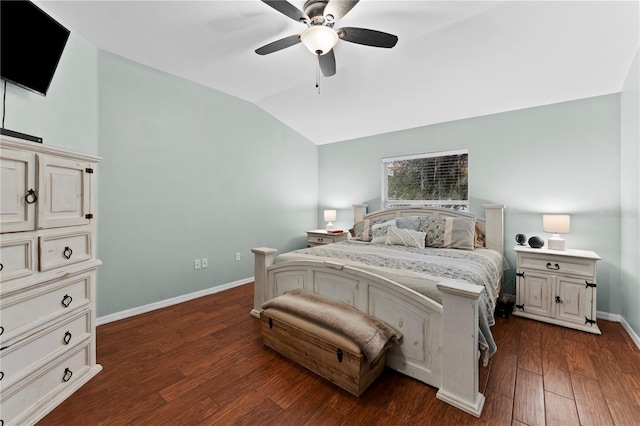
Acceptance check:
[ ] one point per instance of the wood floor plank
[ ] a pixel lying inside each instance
(155, 371)
(578, 357)
(560, 411)
(590, 402)
(528, 402)
(529, 350)
(502, 378)
(623, 412)
(556, 372)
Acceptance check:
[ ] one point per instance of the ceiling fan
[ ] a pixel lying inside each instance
(320, 16)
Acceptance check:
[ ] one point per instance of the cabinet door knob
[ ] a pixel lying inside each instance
(554, 267)
(31, 197)
(558, 300)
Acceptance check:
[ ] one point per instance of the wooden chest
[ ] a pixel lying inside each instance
(332, 356)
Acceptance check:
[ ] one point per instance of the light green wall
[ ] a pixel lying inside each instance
(189, 172)
(630, 196)
(558, 158)
(68, 116)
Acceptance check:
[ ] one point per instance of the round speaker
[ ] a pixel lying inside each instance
(521, 239)
(536, 242)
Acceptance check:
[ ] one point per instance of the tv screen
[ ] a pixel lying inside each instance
(31, 45)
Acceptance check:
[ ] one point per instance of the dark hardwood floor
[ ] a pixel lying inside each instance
(203, 362)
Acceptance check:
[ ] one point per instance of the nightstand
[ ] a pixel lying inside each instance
(319, 237)
(557, 286)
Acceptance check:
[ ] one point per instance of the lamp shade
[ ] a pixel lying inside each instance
(319, 39)
(556, 223)
(329, 215)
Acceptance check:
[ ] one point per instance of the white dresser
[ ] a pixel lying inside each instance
(557, 286)
(47, 277)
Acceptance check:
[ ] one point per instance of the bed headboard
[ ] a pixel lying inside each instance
(492, 224)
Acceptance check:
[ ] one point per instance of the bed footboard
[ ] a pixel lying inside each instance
(436, 338)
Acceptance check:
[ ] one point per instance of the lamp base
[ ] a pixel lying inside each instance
(330, 226)
(555, 243)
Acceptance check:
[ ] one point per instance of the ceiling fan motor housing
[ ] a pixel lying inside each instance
(315, 10)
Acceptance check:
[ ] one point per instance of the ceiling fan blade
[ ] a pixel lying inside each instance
(327, 63)
(367, 37)
(339, 8)
(288, 9)
(279, 44)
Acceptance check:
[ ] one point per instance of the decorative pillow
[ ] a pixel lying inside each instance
(368, 224)
(462, 233)
(412, 222)
(435, 228)
(449, 232)
(405, 237)
(379, 231)
(479, 240)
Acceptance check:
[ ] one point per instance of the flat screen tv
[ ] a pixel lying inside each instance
(31, 45)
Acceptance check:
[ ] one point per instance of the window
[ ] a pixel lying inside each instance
(438, 179)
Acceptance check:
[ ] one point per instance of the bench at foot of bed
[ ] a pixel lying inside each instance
(326, 353)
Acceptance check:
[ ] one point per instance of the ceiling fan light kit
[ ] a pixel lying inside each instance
(320, 37)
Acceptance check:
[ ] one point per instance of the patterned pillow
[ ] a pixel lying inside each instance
(367, 228)
(434, 228)
(405, 237)
(449, 232)
(379, 231)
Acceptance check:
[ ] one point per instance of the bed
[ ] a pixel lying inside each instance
(444, 317)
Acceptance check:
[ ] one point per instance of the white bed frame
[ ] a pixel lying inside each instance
(440, 342)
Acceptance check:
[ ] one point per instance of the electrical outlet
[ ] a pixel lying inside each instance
(205, 262)
(197, 264)
(237, 257)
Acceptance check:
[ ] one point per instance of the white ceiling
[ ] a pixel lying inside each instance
(453, 60)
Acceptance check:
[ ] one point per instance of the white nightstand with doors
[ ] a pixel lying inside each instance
(557, 286)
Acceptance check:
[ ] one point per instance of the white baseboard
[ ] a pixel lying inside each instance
(619, 318)
(169, 302)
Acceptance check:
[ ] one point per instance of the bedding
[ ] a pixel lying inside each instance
(420, 269)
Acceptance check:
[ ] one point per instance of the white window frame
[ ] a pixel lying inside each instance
(461, 205)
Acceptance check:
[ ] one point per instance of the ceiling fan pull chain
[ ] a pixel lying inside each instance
(318, 74)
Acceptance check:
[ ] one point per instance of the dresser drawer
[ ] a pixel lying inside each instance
(17, 256)
(50, 380)
(64, 249)
(558, 264)
(16, 360)
(27, 310)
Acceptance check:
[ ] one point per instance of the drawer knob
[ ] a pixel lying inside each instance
(67, 375)
(67, 253)
(558, 300)
(1, 330)
(66, 300)
(67, 338)
(554, 267)
(1, 375)
(31, 197)
(1, 266)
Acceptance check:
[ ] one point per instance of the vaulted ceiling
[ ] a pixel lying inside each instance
(453, 60)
